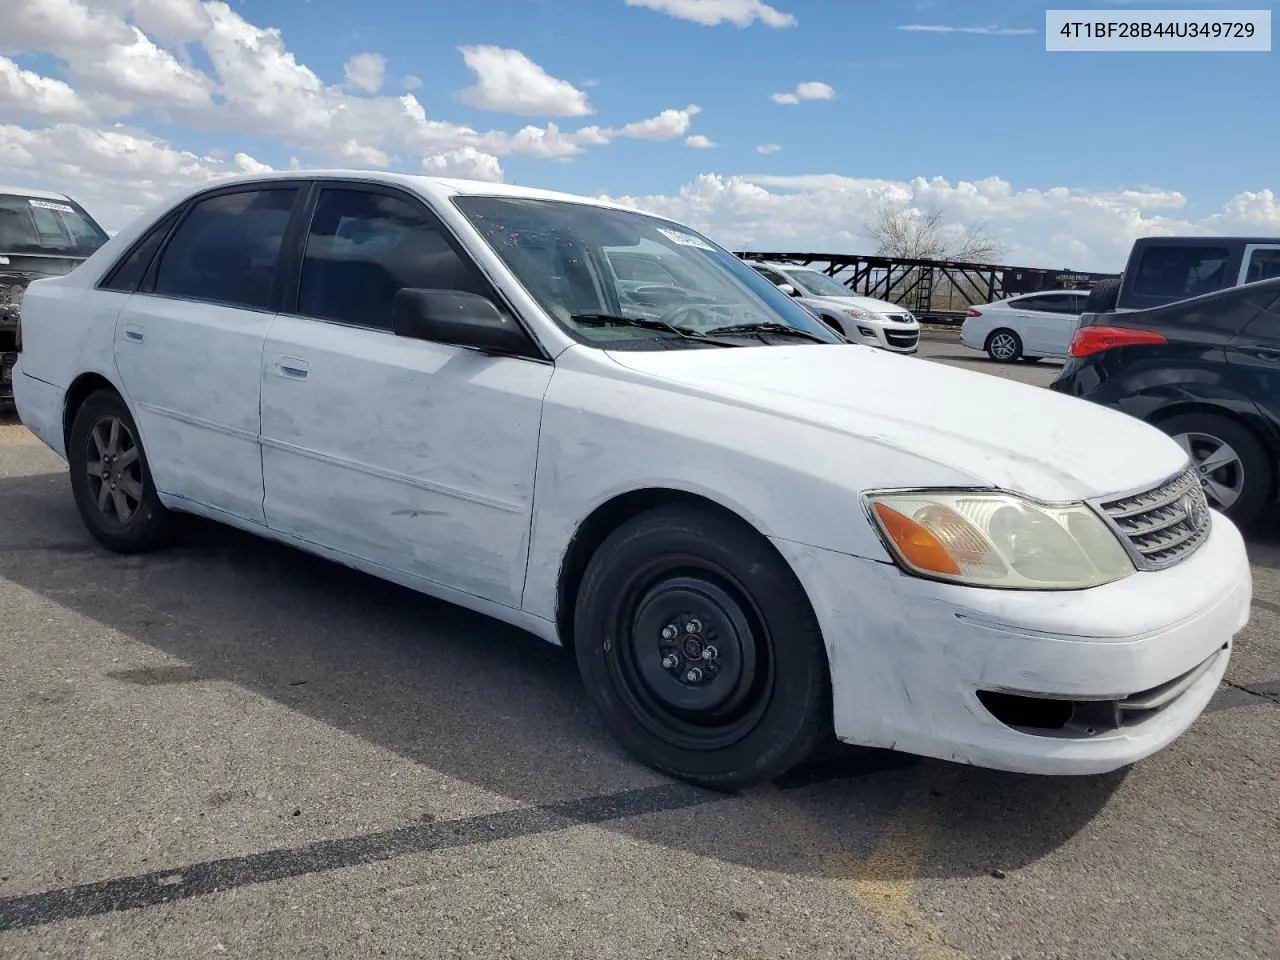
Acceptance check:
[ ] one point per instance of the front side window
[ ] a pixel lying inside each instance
(226, 248)
(31, 225)
(364, 247)
(1180, 271)
(560, 252)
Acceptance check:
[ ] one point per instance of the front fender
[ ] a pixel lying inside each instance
(601, 438)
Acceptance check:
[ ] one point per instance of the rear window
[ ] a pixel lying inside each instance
(1181, 271)
(32, 225)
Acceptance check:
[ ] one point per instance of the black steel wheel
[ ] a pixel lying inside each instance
(700, 649)
(110, 479)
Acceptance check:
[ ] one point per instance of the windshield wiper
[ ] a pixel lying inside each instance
(779, 328)
(610, 320)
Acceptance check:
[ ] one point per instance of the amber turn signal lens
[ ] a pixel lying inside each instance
(918, 546)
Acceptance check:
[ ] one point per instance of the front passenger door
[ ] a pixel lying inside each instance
(414, 455)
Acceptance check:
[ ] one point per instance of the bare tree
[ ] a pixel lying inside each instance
(899, 230)
(902, 232)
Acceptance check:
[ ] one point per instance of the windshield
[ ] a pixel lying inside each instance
(605, 267)
(50, 228)
(817, 284)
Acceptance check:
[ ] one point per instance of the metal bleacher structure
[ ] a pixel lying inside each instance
(936, 291)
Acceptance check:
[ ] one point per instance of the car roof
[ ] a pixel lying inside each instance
(34, 194)
(436, 188)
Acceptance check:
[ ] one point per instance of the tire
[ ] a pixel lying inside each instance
(1250, 475)
(1103, 297)
(146, 523)
(1004, 346)
(766, 702)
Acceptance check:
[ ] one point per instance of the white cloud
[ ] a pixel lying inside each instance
(668, 125)
(810, 90)
(983, 31)
(699, 142)
(1055, 227)
(509, 82)
(465, 164)
(248, 164)
(410, 82)
(27, 95)
(366, 71)
(768, 148)
(711, 13)
(256, 87)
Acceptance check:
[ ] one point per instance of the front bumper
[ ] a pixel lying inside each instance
(932, 669)
(897, 338)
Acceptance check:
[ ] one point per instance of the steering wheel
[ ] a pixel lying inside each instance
(695, 313)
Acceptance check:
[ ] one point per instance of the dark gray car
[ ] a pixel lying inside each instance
(42, 234)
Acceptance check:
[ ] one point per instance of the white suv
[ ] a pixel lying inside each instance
(877, 323)
(751, 535)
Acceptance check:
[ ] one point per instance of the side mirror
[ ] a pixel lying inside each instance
(456, 318)
(789, 290)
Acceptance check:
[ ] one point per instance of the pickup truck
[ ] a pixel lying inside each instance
(1162, 270)
(42, 234)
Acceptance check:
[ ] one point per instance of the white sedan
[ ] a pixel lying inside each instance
(752, 533)
(1026, 328)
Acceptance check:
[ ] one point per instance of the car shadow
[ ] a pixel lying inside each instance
(488, 704)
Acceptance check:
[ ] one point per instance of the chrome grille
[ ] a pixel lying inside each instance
(1163, 526)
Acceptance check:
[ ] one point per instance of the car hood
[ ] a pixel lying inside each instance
(989, 431)
(859, 303)
(18, 270)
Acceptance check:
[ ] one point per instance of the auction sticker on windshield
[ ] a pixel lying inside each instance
(46, 205)
(684, 239)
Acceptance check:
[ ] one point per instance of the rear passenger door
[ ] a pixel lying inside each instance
(414, 455)
(188, 345)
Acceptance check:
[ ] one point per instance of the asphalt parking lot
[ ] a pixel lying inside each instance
(232, 749)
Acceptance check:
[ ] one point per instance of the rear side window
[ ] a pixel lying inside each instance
(225, 250)
(1263, 265)
(1048, 303)
(1181, 271)
(365, 247)
(127, 275)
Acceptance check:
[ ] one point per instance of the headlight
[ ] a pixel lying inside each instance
(998, 540)
(859, 314)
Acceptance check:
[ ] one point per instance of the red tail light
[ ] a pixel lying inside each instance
(1091, 340)
(973, 313)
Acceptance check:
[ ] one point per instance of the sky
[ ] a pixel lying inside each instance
(768, 127)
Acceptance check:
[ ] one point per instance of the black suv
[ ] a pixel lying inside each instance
(1206, 371)
(41, 235)
(1165, 269)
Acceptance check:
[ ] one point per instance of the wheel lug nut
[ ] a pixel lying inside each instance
(693, 626)
(694, 675)
(670, 661)
(710, 653)
(669, 632)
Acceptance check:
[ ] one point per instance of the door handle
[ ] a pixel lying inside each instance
(293, 368)
(134, 332)
(1259, 354)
